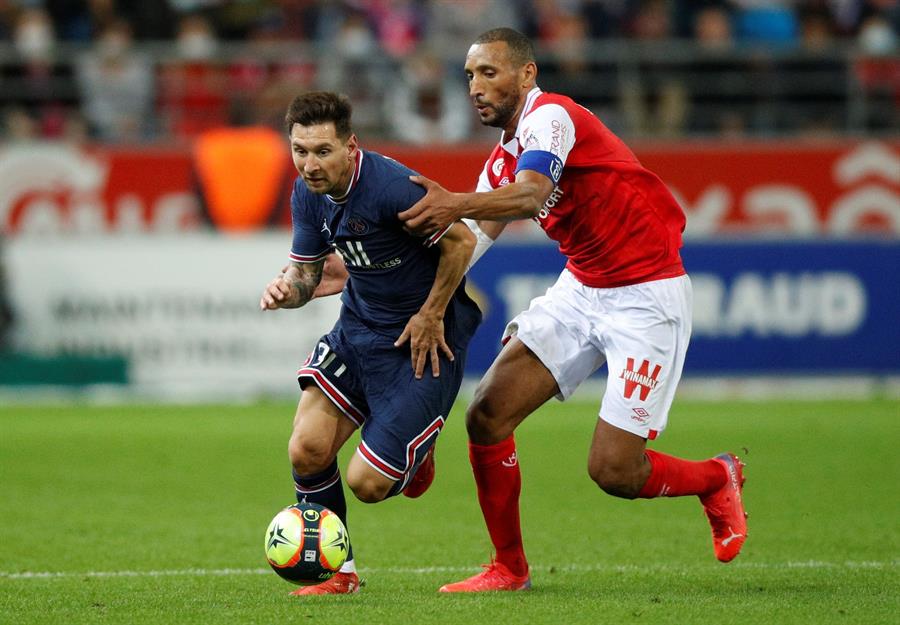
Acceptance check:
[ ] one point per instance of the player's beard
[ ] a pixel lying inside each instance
(503, 112)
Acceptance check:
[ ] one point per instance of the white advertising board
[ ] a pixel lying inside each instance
(183, 308)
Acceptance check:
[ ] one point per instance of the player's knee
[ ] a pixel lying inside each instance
(308, 457)
(613, 477)
(368, 490)
(484, 421)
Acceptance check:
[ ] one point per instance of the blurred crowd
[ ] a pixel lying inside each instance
(162, 70)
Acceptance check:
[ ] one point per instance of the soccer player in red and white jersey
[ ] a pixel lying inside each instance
(623, 298)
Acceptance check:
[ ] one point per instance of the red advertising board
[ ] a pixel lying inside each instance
(803, 189)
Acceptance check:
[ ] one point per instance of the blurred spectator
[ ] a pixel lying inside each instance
(453, 26)
(425, 105)
(721, 96)
(80, 20)
(236, 20)
(353, 64)
(287, 20)
(654, 99)
(812, 82)
(759, 66)
(768, 22)
(878, 73)
(712, 29)
(36, 81)
(605, 18)
(569, 67)
(151, 20)
(192, 94)
(116, 86)
(398, 25)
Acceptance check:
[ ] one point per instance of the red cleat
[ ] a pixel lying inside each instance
(423, 478)
(339, 584)
(725, 510)
(495, 576)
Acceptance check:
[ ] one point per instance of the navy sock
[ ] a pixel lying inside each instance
(326, 489)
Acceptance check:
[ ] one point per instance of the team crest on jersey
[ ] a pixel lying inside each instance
(357, 225)
(497, 166)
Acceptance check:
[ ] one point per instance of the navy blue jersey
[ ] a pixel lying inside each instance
(391, 271)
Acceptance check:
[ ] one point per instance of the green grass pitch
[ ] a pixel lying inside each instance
(135, 514)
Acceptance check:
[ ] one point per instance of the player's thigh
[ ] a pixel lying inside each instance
(320, 429)
(515, 385)
(406, 414)
(645, 351)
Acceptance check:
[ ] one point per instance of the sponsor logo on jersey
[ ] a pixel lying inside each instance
(556, 168)
(552, 201)
(640, 378)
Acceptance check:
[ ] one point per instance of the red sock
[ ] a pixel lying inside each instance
(674, 477)
(499, 483)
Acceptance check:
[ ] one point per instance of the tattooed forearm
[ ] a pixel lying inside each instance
(303, 278)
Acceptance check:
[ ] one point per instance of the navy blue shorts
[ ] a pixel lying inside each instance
(373, 384)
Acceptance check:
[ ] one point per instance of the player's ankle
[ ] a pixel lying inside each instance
(514, 561)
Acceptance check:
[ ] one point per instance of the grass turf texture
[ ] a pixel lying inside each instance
(157, 514)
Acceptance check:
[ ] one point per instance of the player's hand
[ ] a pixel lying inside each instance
(277, 293)
(435, 211)
(425, 334)
(334, 277)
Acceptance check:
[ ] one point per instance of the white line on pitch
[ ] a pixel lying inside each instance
(627, 568)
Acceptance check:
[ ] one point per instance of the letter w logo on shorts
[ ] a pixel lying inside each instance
(642, 377)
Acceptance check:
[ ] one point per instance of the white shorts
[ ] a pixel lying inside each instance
(641, 331)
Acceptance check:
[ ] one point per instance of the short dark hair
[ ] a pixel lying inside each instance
(521, 50)
(319, 107)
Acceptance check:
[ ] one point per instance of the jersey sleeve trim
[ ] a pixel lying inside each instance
(542, 162)
(437, 236)
(302, 258)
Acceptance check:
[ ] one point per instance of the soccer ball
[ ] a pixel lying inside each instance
(306, 543)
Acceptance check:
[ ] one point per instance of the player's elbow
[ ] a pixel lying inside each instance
(468, 240)
(459, 240)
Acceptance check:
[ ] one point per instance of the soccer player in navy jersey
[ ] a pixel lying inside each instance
(404, 310)
(623, 298)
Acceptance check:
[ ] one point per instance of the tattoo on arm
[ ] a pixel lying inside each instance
(306, 278)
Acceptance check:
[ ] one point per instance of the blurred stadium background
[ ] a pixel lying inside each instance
(144, 180)
(144, 177)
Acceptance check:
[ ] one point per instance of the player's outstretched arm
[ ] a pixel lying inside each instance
(521, 199)
(425, 330)
(294, 287)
